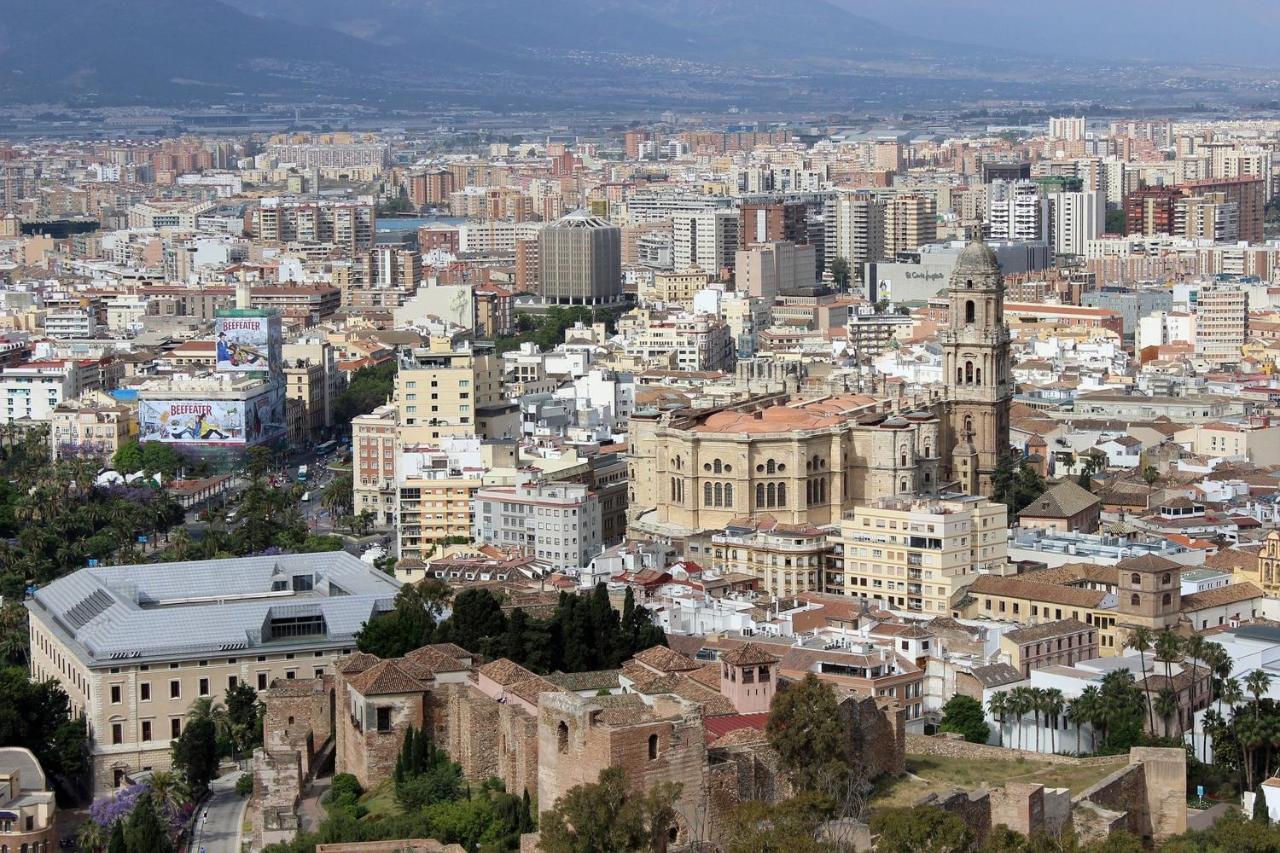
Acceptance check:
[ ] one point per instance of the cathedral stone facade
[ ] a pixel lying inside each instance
(809, 461)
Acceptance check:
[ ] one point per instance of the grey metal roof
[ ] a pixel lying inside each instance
(209, 607)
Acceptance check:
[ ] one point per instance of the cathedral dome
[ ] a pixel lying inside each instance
(977, 259)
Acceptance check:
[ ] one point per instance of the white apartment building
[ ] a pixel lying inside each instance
(1077, 218)
(707, 240)
(68, 323)
(558, 524)
(32, 391)
(1017, 211)
(854, 224)
(1067, 128)
(694, 341)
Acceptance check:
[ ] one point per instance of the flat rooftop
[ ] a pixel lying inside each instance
(111, 615)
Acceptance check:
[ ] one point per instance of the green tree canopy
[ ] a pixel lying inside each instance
(804, 727)
(963, 715)
(922, 829)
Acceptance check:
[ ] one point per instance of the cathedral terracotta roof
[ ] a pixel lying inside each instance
(772, 419)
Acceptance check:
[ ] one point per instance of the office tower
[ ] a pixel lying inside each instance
(580, 261)
(1077, 217)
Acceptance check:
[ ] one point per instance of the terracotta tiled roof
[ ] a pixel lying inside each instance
(435, 661)
(505, 672)
(385, 677)
(1223, 595)
(996, 674)
(749, 654)
(528, 689)
(596, 680)
(355, 662)
(1062, 500)
(1148, 563)
(1046, 630)
(1232, 559)
(664, 659)
(707, 676)
(1031, 591)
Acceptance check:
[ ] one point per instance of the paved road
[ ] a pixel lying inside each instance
(219, 830)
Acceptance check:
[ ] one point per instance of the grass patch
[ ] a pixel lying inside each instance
(934, 774)
(381, 800)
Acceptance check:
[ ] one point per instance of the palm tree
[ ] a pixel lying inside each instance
(1198, 649)
(1140, 640)
(1231, 693)
(998, 705)
(208, 708)
(1257, 683)
(1035, 700)
(1053, 704)
(1019, 704)
(1169, 649)
(91, 837)
(166, 792)
(1166, 705)
(15, 637)
(1249, 735)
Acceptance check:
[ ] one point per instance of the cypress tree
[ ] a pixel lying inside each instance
(145, 833)
(526, 813)
(117, 843)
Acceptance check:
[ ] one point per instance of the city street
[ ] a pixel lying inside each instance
(218, 828)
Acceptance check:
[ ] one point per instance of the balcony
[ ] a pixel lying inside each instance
(914, 574)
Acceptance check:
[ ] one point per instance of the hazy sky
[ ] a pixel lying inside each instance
(1234, 31)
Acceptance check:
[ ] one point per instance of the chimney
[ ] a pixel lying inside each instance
(243, 295)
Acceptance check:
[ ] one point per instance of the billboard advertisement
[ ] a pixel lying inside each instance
(192, 421)
(247, 341)
(213, 422)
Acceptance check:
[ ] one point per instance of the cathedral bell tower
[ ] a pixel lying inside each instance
(976, 369)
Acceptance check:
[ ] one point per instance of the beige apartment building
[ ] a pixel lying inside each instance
(1222, 317)
(135, 646)
(788, 559)
(452, 388)
(913, 554)
(91, 428)
(910, 221)
(375, 443)
(434, 505)
(678, 288)
(1257, 440)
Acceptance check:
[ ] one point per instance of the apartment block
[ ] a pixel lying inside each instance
(375, 444)
(555, 523)
(452, 387)
(915, 555)
(788, 559)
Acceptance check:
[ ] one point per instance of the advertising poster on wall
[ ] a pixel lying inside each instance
(192, 421)
(247, 342)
